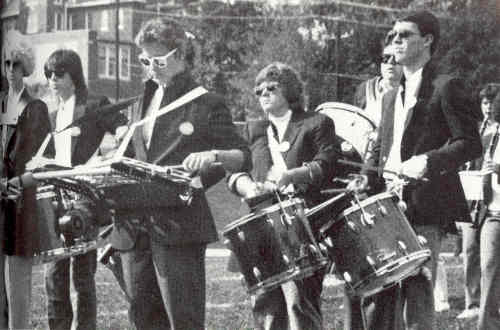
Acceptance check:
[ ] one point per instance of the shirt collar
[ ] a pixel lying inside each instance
(69, 103)
(282, 120)
(15, 96)
(412, 83)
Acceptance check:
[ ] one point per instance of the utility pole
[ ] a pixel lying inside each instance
(117, 49)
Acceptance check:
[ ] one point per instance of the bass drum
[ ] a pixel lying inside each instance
(352, 125)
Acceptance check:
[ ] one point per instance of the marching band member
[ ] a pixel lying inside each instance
(291, 147)
(163, 259)
(75, 146)
(24, 124)
(427, 131)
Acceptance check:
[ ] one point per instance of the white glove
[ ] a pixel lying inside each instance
(415, 167)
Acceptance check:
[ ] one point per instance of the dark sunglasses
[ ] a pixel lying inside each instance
(14, 64)
(270, 88)
(388, 59)
(405, 34)
(58, 73)
(158, 61)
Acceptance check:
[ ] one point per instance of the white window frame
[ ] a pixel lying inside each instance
(58, 20)
(109, 51)
(88, 20)
(104, 20)
(69, 25)
(58, 2)
(121, 18)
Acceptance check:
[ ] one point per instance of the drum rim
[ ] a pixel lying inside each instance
(366, 202)
(347, 107)
(270, 209)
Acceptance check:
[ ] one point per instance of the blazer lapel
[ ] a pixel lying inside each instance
(292, 132)
(21, 105)
(387, 128)
(79, 112)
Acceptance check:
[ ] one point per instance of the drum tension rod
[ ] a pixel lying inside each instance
(366, 218)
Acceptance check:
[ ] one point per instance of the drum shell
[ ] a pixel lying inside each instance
(374, 256)
(279, 251)
(48, 221)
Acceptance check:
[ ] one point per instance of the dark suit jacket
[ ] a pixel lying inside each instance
(171, 143)
(442, 126)
(23, 140)
(360, 92)
(312, 139)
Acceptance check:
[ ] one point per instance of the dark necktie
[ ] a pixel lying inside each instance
(275, 132)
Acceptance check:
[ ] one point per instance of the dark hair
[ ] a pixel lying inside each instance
(427, 24)
(489, 91)
(169, 33)
(495, 108)
(289, 80)
(68, 60)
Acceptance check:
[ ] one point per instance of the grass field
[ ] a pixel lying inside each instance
(228, 305)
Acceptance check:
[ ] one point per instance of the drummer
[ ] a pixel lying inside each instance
(295, 152)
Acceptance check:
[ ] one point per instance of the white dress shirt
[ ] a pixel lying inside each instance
(275, 146)
(153, 108)
(62, 141)
(412, 86)
(13, 111)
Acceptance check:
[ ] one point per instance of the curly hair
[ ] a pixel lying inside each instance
(17, 48)
(169, 33)
(289, 80)
(68, 60)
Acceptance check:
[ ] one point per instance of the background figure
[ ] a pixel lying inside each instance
(296, 148)
(24, 125)
(74, 146)
(163, 249)
(369, 93)
(471, 232)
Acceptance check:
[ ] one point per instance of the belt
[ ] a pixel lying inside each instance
(494, 214)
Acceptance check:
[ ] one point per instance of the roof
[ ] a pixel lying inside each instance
(95, 3)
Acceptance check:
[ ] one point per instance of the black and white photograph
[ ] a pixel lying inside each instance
(250, 164)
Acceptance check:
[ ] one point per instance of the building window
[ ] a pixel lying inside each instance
(106, 62)
(58, 2)
(121, 18)
(58, 21)
(70, 22)
(104, 20)
(88, 21)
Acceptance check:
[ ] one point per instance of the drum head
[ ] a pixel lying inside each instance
(351, 124)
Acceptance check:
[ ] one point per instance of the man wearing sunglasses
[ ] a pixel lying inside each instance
(428, 130)
(292, 151)
(369, 93)
(163, 258)
(24, 124)
(75, 146)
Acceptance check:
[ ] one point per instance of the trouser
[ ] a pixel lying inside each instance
(406, 305)
(15, 291)
(165, 285)
(489, 317)
(472, 265)
(295, 305)
(81, 270)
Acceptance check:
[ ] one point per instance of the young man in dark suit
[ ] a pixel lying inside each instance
(163, 256)
(290, 147)
(75, 146)
(428, 130)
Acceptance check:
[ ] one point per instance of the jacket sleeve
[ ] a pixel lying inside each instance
(464, 143)
(110, 122)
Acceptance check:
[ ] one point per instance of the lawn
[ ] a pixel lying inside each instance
(228, 305)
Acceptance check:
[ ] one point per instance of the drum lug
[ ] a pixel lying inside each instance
(323, 247)
(383, 210)
(286, 219)
(270, 221)
(353, 226)
(402, 206)
(402, 246)
(328, 241)
(257, 274)
(367, 218)
(228, 244)
(422, 239)
(285, 259)
(241, 235)
(370, 261)
(347, 277)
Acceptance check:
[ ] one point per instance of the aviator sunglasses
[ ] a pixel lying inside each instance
(405, 34)
(270, 88)
(13, 64)
(58, 73)
(158, 61)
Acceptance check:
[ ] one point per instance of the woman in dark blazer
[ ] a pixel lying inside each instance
(308, 148)
(24, 125)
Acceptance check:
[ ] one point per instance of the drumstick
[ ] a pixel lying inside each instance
(377, 169)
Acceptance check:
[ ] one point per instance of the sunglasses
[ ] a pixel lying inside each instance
(405, 34)
(57, 73)
(13, 64)
(388, 59)
(269, 87)
(158, 61)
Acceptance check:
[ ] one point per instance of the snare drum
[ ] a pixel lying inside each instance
(373, 245)
(46, 198)
(274, 245)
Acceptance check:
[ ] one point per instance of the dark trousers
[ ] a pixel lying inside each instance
(81, 270)
(165, 285)
(295, 305)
